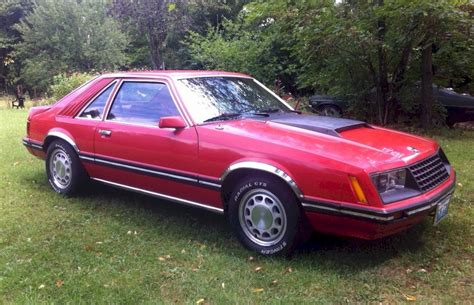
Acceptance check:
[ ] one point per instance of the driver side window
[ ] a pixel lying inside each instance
(142, 103)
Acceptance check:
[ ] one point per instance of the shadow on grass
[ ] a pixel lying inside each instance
(321, 252)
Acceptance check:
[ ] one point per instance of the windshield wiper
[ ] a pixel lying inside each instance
(269, 110)
(223, 117)
(274, 110)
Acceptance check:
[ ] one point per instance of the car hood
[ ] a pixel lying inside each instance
(348, 141)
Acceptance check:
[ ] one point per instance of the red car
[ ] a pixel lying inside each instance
(223, 142)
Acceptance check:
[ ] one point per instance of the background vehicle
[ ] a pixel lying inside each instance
(459, 107)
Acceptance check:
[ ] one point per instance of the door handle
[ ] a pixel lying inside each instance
(105, 133)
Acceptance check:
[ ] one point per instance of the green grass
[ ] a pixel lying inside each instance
(181, 255)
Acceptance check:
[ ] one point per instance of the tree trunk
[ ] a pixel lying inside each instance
(426, 85)
(382, 87)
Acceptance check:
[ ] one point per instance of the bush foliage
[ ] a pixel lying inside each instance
(65, 83)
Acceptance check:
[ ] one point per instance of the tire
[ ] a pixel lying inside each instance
(265, 215)
(63, 168)
(330, 110)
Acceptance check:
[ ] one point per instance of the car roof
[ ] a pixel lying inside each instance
(176, 74)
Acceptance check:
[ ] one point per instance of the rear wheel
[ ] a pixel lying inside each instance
(330, 110)
(265, 215)
(64, 169)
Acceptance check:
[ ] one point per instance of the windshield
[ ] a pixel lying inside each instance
(225, 97)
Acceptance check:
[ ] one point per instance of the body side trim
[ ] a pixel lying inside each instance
(166, 174)
(266, 168)
(32, 144)
(162, 196)
(384, 215)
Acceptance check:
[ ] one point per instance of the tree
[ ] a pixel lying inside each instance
(363, 51)
(160, 26)
(157, 20)
(11, 11)
(68, 36)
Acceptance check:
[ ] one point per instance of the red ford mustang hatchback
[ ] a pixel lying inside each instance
(223, 142)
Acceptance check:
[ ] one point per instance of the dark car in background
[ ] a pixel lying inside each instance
(459, 106)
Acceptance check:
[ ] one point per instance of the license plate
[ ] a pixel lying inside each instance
(442, 209)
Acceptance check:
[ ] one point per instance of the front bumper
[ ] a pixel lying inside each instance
(372, 223)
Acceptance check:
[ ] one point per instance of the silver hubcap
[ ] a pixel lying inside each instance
(60, 168)
(262, 217)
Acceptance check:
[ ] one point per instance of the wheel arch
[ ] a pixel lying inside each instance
(59, 134)
(242, 169)
(324, 104)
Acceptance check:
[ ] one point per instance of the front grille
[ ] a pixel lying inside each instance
(429, 173)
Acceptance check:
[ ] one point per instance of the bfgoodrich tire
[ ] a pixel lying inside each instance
(63, 168)
(265, 215)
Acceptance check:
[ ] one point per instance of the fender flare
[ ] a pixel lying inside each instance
(265, 167)
(62, 135)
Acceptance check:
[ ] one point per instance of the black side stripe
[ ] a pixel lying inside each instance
(149, 171)
(337, 210)
(32, 145)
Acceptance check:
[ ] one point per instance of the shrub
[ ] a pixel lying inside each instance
(65, 83)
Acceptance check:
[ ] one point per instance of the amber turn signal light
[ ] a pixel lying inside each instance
(360, 196)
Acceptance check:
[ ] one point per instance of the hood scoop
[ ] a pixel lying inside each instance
(322, 124)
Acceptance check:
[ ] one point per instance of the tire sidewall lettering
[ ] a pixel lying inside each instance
(247, 186)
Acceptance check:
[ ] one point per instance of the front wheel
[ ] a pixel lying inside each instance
(265, 215)
(64, 169)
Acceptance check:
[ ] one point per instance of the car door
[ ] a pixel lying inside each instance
(131, 150)
(82, 126)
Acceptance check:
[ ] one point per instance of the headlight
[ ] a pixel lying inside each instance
(395, 185)
(390, 181)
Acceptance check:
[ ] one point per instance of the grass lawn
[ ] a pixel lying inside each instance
(111, 246)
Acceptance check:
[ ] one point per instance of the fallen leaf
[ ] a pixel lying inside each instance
(409, 271)
(41, 286)
(274, 282)
(59, 283)
(200, 301)
(422, 270)
(289, 270)
(161, 258)
(251, 258)
(98, 243)
(257, 269)
(195, 269)
(257, 289)
(88, 248)
(459, 184)
(410, 298)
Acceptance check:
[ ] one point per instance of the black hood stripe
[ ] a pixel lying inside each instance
(322, 124)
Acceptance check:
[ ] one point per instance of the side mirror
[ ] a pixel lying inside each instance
(175, 122)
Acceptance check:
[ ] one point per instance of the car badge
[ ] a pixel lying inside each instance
(412, 149)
